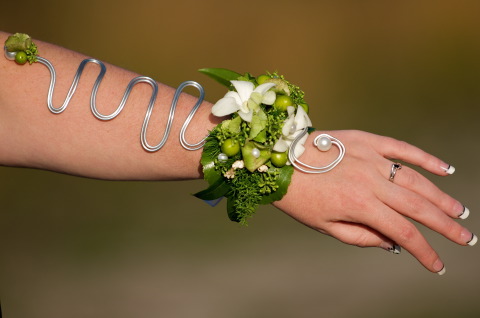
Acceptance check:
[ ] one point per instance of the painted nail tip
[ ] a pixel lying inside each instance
(450, 169)
(442, 271)
(396, 249)
(465, 213)
(473, 241)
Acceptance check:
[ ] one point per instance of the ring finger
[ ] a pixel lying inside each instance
(410, 179)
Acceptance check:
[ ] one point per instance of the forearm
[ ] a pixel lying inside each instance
(74, 141)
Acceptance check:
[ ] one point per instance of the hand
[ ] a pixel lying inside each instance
(356, 203)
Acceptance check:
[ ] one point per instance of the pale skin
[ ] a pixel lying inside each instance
(355, 202)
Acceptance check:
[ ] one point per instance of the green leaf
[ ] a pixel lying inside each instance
(261, 137)
(215, 191)
(251, 162)
(283, 182)
(221, 75)
(210, 174)
(259, 122)
(210, 152)
(231, 212)
(234, 125)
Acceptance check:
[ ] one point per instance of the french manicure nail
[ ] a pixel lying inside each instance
(439, 267)
(473, 240)
(395, 249)
(442, 271)
(465, 213)
(450, 169)
(392, 248)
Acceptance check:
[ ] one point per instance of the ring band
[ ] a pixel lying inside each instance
(395, 166)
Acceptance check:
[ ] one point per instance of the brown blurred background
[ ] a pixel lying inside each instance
(73, 247)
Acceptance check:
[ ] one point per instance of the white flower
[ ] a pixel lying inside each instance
(292, 127)
(239, 164)
(263, 168)
(245, 100)
(230, 174)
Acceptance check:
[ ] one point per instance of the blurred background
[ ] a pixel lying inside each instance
(74, 247)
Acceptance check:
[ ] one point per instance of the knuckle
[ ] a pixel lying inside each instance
(410, 177)
(362, 240)
(407, 233)
(399, 146)
(453, 230)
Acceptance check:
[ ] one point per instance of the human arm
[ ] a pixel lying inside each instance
(74, 141)
(355, 202)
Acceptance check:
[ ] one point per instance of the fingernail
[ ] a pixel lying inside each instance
(392, 248)
(395, 249)
(439, 267)
(465, 213)
(449, 170)
(442, 271)
(473, 240)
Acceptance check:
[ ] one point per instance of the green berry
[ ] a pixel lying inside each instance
(231, 147)
(282, 102)
(262, 79)
(21, 57)
(305, 107)
(279, 159)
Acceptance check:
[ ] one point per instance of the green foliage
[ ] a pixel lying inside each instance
(20, 42)
(221, 75)
(296, 94)
(283, 181)
(247, 192)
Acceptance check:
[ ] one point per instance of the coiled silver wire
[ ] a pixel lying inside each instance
(312, 169)
(128, 90)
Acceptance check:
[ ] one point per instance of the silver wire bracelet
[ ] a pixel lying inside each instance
(323, 142)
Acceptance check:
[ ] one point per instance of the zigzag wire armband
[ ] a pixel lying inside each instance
(249, 158)
(128, 90)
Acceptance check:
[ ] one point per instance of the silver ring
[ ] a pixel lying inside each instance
(395, 166)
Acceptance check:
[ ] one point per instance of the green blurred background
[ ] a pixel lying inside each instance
(73, 247)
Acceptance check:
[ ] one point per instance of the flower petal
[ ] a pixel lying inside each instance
(235, 95)
(225, 106)
(301, 118)
(246, 116)
(244, 89)
(263, 88)
(269, 98)
(256, 98)
(287, 125)
(290, 110)
(281, 145)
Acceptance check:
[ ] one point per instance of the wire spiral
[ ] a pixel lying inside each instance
(312, 169)
(128, 90)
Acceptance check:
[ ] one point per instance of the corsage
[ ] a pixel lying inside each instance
(246, 157)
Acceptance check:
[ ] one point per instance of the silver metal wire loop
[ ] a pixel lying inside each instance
(189, 118)
(128, 90)
(312, 169)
